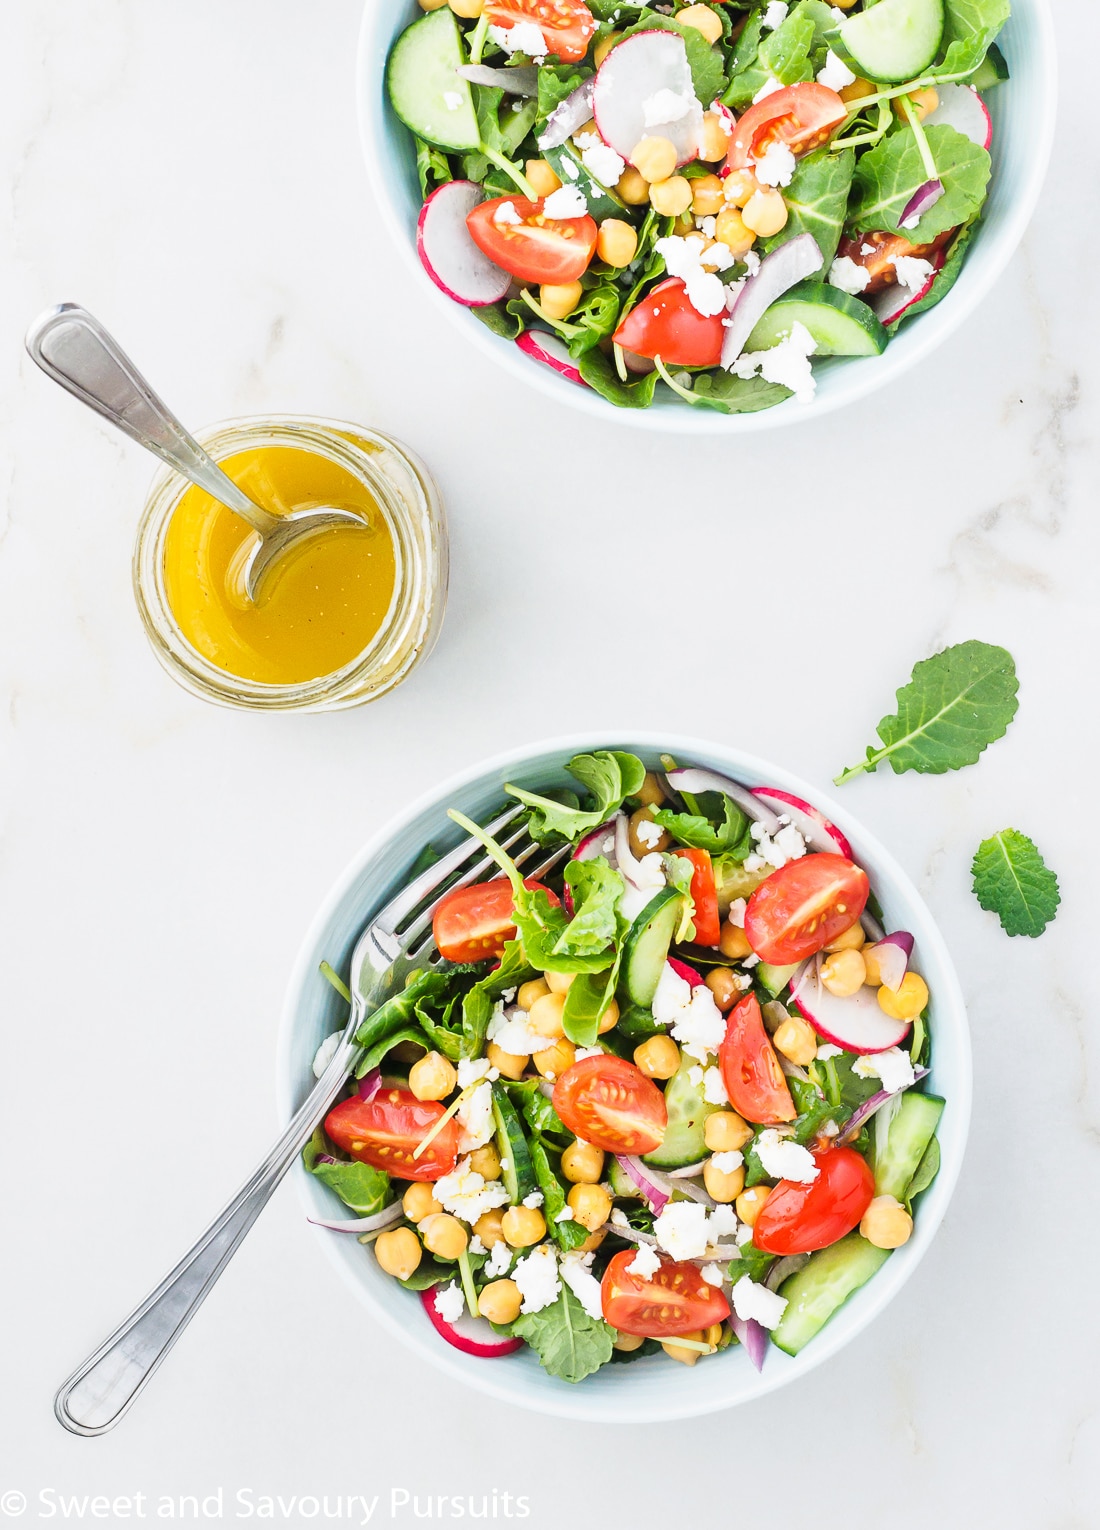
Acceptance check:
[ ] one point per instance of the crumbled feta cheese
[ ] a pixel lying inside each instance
(696, 1021)
(696, 1075)
(753, 1301)
(893, 1067)
(681, 1229)
(516, 1036)
(787, 363)
(707, 226)
(619, 1218)
(667, 106)
(576, 1271)
(783, 1159)
(646, 1262)
(722, 1223)
(506, 213)
(827, 1050)
(475, 1116)
(500, 1259)
(450, 1302)
(751, 261)
(737, 913)
(524, 37)
(744, 1234)
(768, 88)
(775, 15)
(566, 202)
(649, 834)
(776, 165)
(508, 994)
(534, 1200)
(750, 961)
(506, 1164)
(583, 1052)
(683, 257)
(470, 1071)
(565, 1215)
(786, 844)
(726, 1162)
(867, 249)
(836, 74)
(646, 878)
(537, 1278)
(600, 159)
(452, 100)
(837, 14)
(848, 275)
(912, 271)
(476, 1245)
(714, 1088)
(325, 1053)
(569, 169)
(712, 1274)
(465, 1194)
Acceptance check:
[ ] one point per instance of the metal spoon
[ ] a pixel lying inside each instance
(75, 350)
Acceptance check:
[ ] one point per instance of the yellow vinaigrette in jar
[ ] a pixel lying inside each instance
(323, 600)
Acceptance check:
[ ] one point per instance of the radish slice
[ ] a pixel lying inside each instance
(688, 974)
(892, 302)
(962, 108)
(923, 198)
(754, 1337)
(552, 352)
(523, 80)
(893, 955)
(814, 827)
(449, 255)
(635, 78)
(857, 1024)
(473, 1336)
(792, 262)
(568, 116)
(694, 781)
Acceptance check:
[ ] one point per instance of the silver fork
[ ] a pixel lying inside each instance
(396, 942)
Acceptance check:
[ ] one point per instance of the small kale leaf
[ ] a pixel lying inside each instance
(569, 1343)
(887, 177)
(610, 775)
(1012, 881)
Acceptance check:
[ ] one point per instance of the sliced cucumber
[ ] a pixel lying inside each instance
(516, 1168)
(647, 942)
(993, 70)
(735, 882)
(683, 1142)
(775, 979)
(571, 171)
(424, 87)
(620, 1181)
(911, 1130)
(841, 325)
(894, 40)
(825, 1282)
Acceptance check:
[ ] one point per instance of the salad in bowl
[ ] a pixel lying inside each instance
(707, 199)
(669, 1105)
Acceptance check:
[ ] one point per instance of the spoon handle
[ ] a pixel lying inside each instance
(73, 348)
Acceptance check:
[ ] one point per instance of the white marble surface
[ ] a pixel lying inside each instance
(191, 173)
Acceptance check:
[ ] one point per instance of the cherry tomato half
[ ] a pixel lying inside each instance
(674, 1299)
(750, 1069)
(877, 251)
(609, 1102)
(708, 926)
(803, 906)
(537, 248)
(472, 923)
(566, 25)
(801, 116)
(385, 1130)
(665, 324)
(797, 1219)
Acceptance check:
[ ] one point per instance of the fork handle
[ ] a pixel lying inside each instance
(100, 1391)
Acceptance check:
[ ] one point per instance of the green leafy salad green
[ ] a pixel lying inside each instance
(646, 1106)
(699, 201)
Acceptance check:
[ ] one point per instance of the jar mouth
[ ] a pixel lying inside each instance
(409, 508)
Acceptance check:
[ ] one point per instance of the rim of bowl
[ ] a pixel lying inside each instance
(513, 1386)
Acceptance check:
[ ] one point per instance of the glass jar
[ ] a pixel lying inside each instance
(408, 502)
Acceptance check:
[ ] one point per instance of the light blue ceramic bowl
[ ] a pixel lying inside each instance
(653, 1389)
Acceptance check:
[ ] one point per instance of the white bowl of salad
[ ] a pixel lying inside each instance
(669, 1129)
(709, 217)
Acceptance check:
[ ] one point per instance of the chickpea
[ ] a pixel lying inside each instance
(523, 1226)
(923, 102)
(419, 1202)
(703, 18)
(543, 177)
(858, 88)
(610, 1018)
(886, 1223)
(853, 939)
(714, 140)
(510, 1064)
(657, 1057)
(651, 793)
(605, 45)
(765, 212)
(723, 1185)
(633, 188)
(444, 1235)
(529, 992)
(431, 5)
(560, 301)
(500, 1301)
(706, 196)
(733, 942)
(627, 1342)
(908, 1001)
(654, 158)
(582, 1163)
(684, 224)
(560, 982)
(469, 10)
(433, 1077)
(486, 1161)
(724, 1131)
(713, 1334)
(616, 243)
(398, 1252)
(725, 987)
(680, 1352)
(845, 5)
(556, 1059)
(643, 841)
(671, 197)
(739, 186)
(593, 1241)
(750, 1203)
(843, 973)
(488, 1227)
(545, 1015)
(590, 1205)
(797, 1040)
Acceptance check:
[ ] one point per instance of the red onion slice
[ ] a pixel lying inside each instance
(893, 953)
(362, 1224)
(754, 1337)
(638, 1174)
(792, 262)
(568, 116)
(689, 1171)
(522, 80)
(923, 198)
(370, 1084)
(693, 781)
(871, 1107)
